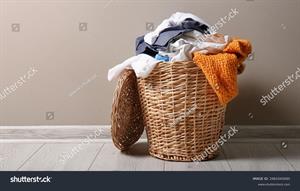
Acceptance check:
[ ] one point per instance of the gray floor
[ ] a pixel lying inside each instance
(103, 156)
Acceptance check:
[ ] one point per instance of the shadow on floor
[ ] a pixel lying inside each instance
(138, 149)
(232, 151)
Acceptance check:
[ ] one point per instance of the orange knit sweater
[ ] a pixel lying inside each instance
(221, 69)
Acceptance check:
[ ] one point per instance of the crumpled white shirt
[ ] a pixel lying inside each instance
(183, 49)
(142, 65)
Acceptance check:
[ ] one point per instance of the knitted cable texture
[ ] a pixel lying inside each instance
(221, 69)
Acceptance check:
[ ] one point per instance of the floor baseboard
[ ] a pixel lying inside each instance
(55, 132)
(66, 133)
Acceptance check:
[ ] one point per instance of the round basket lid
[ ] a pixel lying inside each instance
(126, 118)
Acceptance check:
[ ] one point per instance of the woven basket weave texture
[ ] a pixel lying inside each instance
(182, 114)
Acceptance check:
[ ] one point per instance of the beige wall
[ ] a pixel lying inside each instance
(73, 62)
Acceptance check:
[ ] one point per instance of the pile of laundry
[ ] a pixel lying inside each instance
(186, 37)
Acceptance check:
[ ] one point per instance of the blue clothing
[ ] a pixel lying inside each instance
(162, 58)
(143, 47)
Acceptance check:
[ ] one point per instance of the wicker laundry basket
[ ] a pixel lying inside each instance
(182, 114)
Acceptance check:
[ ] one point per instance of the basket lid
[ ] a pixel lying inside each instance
(127, 123)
